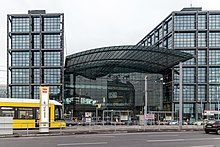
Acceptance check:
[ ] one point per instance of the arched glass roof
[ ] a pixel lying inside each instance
(123, 59)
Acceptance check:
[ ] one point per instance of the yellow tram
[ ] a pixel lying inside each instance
(26, 114)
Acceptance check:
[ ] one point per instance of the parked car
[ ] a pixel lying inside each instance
(212, 126)
(173, 122)
(69, 122)
(185, 123)
(199, 123)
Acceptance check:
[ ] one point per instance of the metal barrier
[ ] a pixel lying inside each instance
(84, 127)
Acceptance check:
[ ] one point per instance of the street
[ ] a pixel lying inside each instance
(150, 139)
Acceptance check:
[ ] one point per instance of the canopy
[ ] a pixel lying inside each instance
(123, 59)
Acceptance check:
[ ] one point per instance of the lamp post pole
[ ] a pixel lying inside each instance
(218, 102)
(145, 106)
(181, 96)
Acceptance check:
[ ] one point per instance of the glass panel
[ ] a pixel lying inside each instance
(188, 75)
(20, 42)
(55, 93)
(188, 93)
(214, 57)
(202, 57)
(36, 42)
(202, 75)
(214, 39)
(37, 59)
(20, 24)
(214, 91)
(20, 76)
(52, 24)
(20, 92)
(52, 41)
(36, 76)
(184, 22)
(202, 22)
(36, 22)
(184, 40)
(201, 93)
(214, 76)
(214, 21)
(36, 92)
(191, 61)
(52, 59)
(52, 76)
(202, 41)
(20, 59)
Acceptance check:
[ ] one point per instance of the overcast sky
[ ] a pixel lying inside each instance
(97, 23)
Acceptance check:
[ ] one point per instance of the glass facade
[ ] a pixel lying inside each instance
(115, 77)
(196, 32)
(122, 91)
(35, 54)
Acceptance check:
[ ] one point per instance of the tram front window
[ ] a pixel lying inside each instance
(58, 112)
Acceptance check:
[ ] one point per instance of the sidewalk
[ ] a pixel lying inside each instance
(99, 129)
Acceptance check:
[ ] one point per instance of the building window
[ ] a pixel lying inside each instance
(176, 92)
(184, 40)
(160, 33)
(188, 109)
(55, 93)
(191, 61)
(214, 39)
(168, 42)
(202, 75)
(37, 58)
(202, 57)
(36, 76)
(184, 22)
(52, 24)
(20, 92)
(202, 22)
(52, 59)
(36, 22)
(214, 21)
(52, 41)
(20, 42)
(214, 91)
(20, 59)
(52, 76)
(214, 76)
(202, 41)
(214, 57)
(36, 42)
(20, 24)
(170, 26)
(36, 92)
(188, 93)
(20, 76)
(201, 93)
(188, 75)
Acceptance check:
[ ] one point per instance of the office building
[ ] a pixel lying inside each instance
(35, 54)
(197, 32)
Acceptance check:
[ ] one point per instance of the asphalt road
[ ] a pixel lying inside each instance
(150, 139)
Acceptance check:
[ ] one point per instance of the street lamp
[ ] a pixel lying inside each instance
(181, 96)
(145, 106)
(218, 102)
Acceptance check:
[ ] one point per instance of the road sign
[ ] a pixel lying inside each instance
(149, 116)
